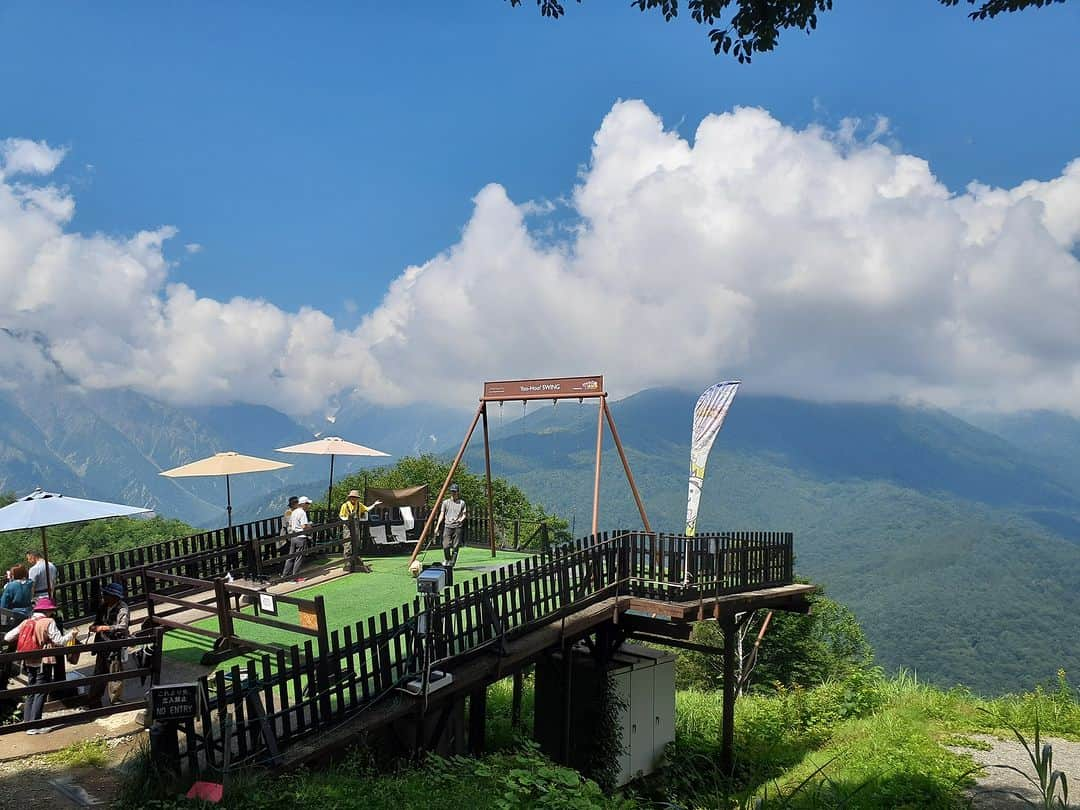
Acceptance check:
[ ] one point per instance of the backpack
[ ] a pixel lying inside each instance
(28, 641)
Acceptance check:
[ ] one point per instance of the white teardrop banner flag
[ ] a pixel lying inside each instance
(709, 413)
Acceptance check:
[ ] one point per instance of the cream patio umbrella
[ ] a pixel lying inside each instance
(332, 446)
(41, 509)
(227, 464)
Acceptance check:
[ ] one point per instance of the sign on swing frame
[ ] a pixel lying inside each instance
(545, 388)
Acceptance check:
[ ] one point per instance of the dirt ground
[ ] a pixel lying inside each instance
(29, 782)
(997, 787)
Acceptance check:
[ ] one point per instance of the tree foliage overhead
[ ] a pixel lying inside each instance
(743, 28)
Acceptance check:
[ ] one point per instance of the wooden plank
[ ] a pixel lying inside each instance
(283, 694)
(298, 688)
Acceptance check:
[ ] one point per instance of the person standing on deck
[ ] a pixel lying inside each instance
(284, 544)
(43, 583)
(299, 526)
(18, 595)
(350, 510)
(452, 516)
(111, 623)
(37, 633)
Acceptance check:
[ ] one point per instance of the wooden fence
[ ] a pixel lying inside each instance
(223, 551)
(150, 670)
(256, 708)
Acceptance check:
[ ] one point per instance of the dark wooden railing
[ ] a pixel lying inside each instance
(298, 691)
(149, 670)
(215, 553)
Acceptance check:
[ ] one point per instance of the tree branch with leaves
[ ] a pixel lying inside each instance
(743, 28)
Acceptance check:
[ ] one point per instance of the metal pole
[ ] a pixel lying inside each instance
(626, 465)
(446, 484)
(487, 467)
(330, 490)
(228, 502)
(596, 475)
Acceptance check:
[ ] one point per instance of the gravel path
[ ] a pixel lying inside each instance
(994, 787)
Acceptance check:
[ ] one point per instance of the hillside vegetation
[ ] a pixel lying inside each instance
(861, 742)
(912, 517)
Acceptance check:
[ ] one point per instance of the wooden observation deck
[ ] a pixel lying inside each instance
(300, 704)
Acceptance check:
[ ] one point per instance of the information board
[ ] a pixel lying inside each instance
(268, 604)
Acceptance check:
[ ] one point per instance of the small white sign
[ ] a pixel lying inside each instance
(268, 604)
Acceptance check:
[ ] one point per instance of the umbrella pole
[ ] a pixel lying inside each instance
(45, 553)
(330, 489)
(228, 502)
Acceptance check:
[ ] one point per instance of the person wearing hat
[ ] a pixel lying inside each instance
(294, 500)
(351, 510)
(110, 623)
(452, 516)
(299, 526)
(41, 631)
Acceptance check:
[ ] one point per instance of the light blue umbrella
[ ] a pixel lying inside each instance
(41, 509)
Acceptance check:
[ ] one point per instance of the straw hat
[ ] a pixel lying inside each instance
(354, 493)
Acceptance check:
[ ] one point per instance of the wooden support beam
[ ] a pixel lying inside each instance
(635, 623)
(568, 684)
(477, 718)
(727, 740)
(677, 643)
(487, 472)
(596, 475)
(515, 705)
(626, 465)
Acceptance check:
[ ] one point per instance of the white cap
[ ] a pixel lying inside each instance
(304, 499)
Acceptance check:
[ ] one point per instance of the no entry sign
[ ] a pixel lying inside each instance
(176, 701)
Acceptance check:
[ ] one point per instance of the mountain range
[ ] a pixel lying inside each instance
(957, 547)
(956, 541)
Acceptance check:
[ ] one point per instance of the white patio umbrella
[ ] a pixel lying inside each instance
(41, 509)
(227, 463)
(332, 446)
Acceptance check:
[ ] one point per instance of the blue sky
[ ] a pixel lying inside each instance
(315, 155)
(710, 220)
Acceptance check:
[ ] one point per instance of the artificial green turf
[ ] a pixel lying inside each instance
(349, 599)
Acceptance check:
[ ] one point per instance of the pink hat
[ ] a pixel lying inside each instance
(44, 603)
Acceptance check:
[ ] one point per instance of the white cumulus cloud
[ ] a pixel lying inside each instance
(808, 262)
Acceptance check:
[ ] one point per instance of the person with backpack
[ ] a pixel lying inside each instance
(39, 632)
(18, 594)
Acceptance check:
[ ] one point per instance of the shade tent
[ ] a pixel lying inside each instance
(227, 464)
(41, 509)
(332, 446)
(412, 497)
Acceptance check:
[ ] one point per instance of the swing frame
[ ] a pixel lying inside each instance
(553, 389)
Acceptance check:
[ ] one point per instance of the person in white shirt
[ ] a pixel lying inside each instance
(299, 526)
(43, 573)
(452, 515)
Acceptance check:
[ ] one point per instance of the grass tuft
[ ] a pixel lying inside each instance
(91, 753)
